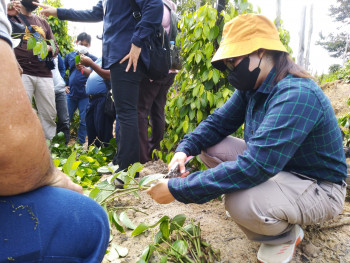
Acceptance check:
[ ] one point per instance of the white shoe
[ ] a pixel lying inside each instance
(282, 253)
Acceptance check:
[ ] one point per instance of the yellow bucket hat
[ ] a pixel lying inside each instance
(245, 34)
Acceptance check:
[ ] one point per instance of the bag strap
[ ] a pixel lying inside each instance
(25, 20)
(136, 12)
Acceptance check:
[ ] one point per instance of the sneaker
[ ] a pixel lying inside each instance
(282, 253)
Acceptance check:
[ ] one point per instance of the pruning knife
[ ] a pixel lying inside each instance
(174, 170)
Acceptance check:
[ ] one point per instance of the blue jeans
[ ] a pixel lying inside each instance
(99, 125)
(52, 224)
(81, 104)
(62, 114)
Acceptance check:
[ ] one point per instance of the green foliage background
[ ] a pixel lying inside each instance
(199, 87)
(60, 30)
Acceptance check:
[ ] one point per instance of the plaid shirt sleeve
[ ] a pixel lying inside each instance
(291, 111)
(221, 123)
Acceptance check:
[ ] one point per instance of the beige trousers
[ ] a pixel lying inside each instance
(43, 91)
(267, 212)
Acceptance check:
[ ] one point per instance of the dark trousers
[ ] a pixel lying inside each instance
(125, 87)
(62, 115)
(99, 125)
(152, 99)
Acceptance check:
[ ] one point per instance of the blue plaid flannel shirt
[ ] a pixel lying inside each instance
(289, 126)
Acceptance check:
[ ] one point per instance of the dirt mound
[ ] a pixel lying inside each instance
(338, 92)
(326, 243)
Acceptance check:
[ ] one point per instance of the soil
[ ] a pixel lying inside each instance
(322, 243)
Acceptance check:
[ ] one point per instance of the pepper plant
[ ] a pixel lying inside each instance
(199, 88)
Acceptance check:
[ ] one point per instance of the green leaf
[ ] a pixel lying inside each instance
(185, 126)
(103, 195)
(192, 114)
(150, 178)
(164, 228)
(136, 167)
(53, 45)
(216, 76)
(77, 59)
(37, 48)
(158, 238)
(67, 167)
(94, 192)
(140, 229)
(164, 259)
(116, 223)
(56, 162)
(198, 57)
(177, 221)
(31, 43)
(146, 254)
(180, 246)
(126, 221)
(122, 251)
(105, 185)
(199, 116)
(206, 31)
(198, 32)
(43, 51)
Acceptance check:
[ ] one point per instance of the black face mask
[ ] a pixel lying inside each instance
(243, 79)
(28, 5)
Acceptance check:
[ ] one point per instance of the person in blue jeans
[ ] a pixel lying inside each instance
(58, 74)
(99, 124)
(44, 217)
(76, 84)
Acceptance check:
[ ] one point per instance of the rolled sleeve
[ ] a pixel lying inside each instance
(5, 27)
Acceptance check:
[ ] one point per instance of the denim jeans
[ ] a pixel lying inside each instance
(52, 224)
(99, 125)
(81, 104)
(62, 114)
(125, 87)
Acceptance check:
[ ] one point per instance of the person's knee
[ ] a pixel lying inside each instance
(251, 212)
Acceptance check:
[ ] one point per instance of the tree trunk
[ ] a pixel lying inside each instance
(198, 4)
(307, 54)
(278, 14)
(346, 49)
(221, 5)
(301, 50)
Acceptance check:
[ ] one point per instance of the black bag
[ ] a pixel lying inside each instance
(109, 104)
(18, 29)
(158, 48)
(175, 59)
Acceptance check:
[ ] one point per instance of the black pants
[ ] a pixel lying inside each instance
(125, 86)
(152, 99)
(99, 126)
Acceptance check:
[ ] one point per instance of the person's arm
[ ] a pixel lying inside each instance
(87, 61)
(24, 157)
(61, 67)
(49, 35)
(93, 15)
(289, 117)
(152, 15)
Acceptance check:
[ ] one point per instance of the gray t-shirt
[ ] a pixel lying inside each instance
(5, 27)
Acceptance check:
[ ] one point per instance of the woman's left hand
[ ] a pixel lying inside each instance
(160, 192)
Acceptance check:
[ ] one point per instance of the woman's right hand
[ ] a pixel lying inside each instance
(179, 157)
(47, 10)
